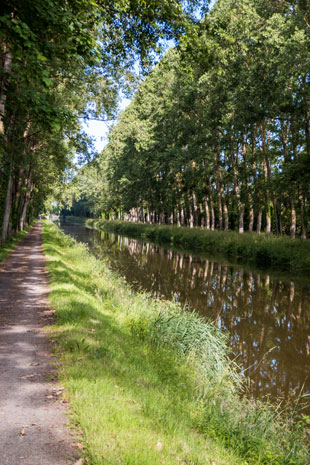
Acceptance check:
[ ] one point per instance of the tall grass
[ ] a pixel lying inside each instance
(151, 383)
(251, 428)
(263, 251)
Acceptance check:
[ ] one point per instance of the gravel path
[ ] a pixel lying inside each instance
(32, 413)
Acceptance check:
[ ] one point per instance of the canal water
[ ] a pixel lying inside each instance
(267, 318)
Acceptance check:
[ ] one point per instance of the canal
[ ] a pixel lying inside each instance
(266, 317)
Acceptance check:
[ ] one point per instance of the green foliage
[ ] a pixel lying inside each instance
(220, 127)
(63, 61)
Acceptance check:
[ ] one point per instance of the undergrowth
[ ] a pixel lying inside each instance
(11, 244)
(263, 251)
(150, 383)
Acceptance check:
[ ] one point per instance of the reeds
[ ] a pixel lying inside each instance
(258, 431)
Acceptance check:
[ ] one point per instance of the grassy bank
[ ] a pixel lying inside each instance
(73, 219)
(9, 246)
(262, 251)
(149, 383)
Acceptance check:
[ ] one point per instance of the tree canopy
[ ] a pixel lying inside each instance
(60, 61)
(218, 135)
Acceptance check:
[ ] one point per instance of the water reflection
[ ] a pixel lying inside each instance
(267, 319)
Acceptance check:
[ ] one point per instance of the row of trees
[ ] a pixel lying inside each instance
(61, 61)
(218, 135)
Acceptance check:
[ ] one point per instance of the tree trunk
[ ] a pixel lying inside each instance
(191, 216)
(8, 206)
(202, 225)
(148, 216)
(267, 213)
(212, 214)
(274, 200)
(275, 212)
(302, 217)
(280, 219)
(219, 187)
(7, 64)
(259, 220)
(293, 218)
(25, 208)
(248, 184)
(178, 218)
(17, 202)
(226, 217)
(195, 208)
(251, 215)
(182, 216)
(220, 210)
(307, 117)
(267, 194)
(207, 212)
(234, 161)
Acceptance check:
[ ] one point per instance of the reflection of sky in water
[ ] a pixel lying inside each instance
(267, 319)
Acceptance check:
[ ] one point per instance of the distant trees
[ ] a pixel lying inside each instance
(59, 61)
(218, 136)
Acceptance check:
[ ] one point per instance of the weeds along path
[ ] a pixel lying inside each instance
(32, 418)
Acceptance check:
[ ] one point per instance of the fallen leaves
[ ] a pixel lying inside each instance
(28, 376)
(23, 430)
(56, 393)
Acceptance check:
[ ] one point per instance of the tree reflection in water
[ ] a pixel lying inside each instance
(267, 319)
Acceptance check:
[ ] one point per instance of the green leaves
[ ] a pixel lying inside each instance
(68, 59)
(204, 126)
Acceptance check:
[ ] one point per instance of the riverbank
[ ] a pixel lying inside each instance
(272, 252)
(148, 382)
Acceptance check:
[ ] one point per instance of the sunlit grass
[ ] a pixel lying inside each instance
(149, 383)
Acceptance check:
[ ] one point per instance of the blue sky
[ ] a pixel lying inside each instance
(99, 130)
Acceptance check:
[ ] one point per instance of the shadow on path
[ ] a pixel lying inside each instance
(32, 418)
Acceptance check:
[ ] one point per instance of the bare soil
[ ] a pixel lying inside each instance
(33, 421)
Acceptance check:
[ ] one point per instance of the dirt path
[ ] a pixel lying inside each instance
(32, 421)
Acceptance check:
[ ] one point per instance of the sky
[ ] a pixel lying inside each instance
(99, 130)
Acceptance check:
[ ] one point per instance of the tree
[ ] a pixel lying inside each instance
(54, 52)
(218, 134)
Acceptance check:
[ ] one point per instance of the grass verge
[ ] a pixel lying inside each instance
(262, 251)
(73, 220)
(9, 246)
(150, 383)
